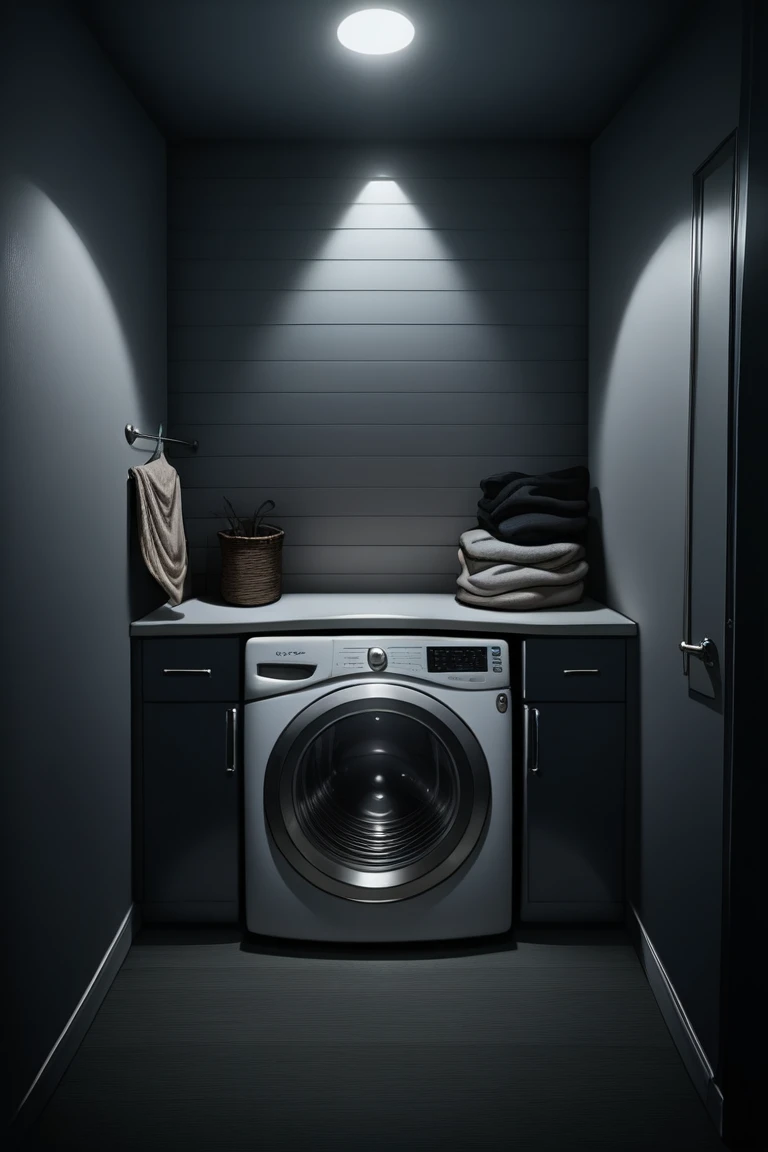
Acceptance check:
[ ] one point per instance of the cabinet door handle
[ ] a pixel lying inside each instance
(231, 739)
(581, 671)
(186, 671)
(532, 738)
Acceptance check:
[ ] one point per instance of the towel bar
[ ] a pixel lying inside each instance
(132, 434)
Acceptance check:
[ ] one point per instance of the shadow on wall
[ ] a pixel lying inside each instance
(55, 282)
(640, 391)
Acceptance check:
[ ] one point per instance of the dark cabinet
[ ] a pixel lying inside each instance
(190, 783)
(573, 784)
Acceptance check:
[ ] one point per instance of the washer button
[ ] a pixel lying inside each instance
(377, 659)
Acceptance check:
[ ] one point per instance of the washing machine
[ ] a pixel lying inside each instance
(377, 787)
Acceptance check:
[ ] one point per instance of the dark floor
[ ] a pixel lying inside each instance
(550, 1042)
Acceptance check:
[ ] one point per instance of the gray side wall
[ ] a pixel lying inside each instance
(363, 334)
(82, 352)
(639, 343)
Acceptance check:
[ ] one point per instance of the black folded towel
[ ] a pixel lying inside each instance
(563, 484)
(527, 499)
(535, 528)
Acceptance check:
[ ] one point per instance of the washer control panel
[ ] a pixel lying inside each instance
(275, 665)
(460, 663)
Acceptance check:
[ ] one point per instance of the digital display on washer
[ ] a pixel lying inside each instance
(457, 659)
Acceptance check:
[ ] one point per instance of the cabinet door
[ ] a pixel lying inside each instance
(574, 812)
(190, 804)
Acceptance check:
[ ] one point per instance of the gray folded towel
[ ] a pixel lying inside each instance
(474, 566)
(161, 526)
(481, 545)
(500, 578)
(526, 600)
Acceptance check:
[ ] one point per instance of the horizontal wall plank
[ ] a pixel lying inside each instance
(336, 502)
(341, 408)
(384, 275)
(384, 439)
(378, 342)
(364, 582)
(347, 531)
(468, 193)
(355, 471)
(537, 211)
(205, 565)
(372, 559)
(240, 159)
(351, 307)
(363, 376)
(379, 244)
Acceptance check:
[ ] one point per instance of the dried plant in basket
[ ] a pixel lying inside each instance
(248, 526)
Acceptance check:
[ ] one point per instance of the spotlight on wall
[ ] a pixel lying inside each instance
(375, 31)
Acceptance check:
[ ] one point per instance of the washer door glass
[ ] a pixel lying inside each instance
(373, 793)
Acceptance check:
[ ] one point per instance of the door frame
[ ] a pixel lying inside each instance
(728, 147)
(743, 1059)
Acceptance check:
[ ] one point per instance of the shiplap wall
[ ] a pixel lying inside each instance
(362, 334)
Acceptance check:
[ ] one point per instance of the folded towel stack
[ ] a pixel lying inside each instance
(529, 549)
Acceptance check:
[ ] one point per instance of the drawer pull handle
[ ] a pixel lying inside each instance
(186, 671)
(581, 671)
(231, 740)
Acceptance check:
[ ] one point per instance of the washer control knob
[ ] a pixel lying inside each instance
(377, 659)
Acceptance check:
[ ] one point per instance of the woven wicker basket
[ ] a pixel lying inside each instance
(252, 567)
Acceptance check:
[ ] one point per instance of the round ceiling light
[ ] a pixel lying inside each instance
(375, 31)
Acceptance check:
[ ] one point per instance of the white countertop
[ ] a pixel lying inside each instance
(414, 612)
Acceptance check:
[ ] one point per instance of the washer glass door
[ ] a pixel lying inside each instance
(377, 792)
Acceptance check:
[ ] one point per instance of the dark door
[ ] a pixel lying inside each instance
(191, 854)
(574, 806)
(701, 768)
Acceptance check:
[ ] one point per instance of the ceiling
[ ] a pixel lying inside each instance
(476, 68)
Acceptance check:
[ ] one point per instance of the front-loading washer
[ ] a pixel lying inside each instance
(378, 787)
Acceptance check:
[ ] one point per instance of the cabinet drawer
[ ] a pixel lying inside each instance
(582, 668)
(191, 668)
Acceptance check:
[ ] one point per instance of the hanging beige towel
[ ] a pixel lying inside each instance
(161, 526)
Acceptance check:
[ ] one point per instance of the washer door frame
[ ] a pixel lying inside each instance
(382, 886)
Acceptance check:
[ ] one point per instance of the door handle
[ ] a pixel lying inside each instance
(704, 651)
(532, 738)
(186, 671)
(231, 740)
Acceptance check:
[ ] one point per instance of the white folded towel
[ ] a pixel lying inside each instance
(524, 601)
(495, 579)
(161, 526)
(480, 545)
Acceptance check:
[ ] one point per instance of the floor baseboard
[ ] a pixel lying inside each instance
(681, 1030)
(60, 1055)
